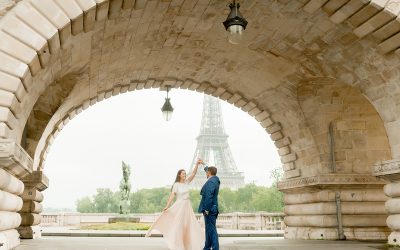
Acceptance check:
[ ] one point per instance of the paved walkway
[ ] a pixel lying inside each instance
(127, 243)
(75, 232)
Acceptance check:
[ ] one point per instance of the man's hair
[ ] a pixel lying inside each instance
(213, 170)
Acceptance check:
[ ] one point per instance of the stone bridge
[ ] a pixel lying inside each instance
(321, 76)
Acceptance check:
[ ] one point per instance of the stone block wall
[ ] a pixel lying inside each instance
(357, 138)
(15, 165)
(390, 171)
(288, 74)
(10, 189)
(326, 206)
(6, 5)
(32, 197)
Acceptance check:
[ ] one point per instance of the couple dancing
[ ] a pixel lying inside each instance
(179, 225)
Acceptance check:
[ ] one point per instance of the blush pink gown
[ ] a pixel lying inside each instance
(178, 224)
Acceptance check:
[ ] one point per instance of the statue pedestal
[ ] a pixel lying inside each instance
(123, 218)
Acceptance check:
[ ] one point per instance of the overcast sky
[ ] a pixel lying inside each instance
(87, 153)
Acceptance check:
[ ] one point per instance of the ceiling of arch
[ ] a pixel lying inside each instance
(185, 39)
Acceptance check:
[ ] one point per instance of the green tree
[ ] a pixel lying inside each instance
(244, 197)
(276, 174)
(105, 201)
(268, 199)
(195, 199)
(149, 200)
(250, 198)
(85, 205)
(227, 200)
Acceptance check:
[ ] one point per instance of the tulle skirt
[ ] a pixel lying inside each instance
(180, 228)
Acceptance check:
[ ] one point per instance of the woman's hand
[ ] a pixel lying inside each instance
(165, 208)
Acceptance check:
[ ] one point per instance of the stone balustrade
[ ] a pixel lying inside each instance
(241, 221)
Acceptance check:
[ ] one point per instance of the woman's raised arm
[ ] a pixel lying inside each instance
(193, 174)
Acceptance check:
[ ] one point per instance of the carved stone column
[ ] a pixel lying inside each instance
(390, 170)
(15, 164)
(35, 183)
(335, 206)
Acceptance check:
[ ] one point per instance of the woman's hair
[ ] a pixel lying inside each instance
(178, 177)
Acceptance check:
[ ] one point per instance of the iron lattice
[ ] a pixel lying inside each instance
(213, 148)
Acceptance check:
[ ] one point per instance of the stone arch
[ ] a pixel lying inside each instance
(57, 21)
(112, 42)
(28, 49)
(357, 132)
(71, 108)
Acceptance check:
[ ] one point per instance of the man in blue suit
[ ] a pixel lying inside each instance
(209, 207)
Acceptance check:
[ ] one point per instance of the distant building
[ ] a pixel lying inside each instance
(213, 148)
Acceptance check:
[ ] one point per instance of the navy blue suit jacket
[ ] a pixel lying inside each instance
(209, 196)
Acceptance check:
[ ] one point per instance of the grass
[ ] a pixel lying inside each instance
(117, 226)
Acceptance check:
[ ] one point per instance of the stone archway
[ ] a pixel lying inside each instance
(88, 50)
(71, 108)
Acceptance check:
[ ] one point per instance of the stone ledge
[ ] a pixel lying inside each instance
(388, 170)
(14, 159)
(330, 181)
(37, 179)
(292, 173)
(352, 233)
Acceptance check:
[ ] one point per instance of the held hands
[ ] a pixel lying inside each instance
(199, 161)
(165, 208)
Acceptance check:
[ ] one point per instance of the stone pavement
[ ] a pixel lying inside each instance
(76, 232)
(110, 243)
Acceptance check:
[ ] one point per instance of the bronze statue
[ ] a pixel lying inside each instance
(125, 187)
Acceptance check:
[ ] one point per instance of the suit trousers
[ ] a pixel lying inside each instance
(210, 222)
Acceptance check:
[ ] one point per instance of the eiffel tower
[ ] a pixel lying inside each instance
(213, 148)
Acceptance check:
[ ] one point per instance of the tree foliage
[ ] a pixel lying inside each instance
(250, 198)
(85, 205)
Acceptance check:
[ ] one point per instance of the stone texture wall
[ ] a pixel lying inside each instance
(358, 134)
(302, 65)
(44, 109)
(6, 5)
(131, 46)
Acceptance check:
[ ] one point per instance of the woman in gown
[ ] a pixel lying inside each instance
(177, 223)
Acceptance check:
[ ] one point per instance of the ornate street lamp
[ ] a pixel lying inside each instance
(235, 23)
(167, 108)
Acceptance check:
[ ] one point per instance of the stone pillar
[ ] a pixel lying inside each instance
(15, 164)
(258, 221)
(32, 196)
(390, 170)
(235, 220)
(312, 210)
